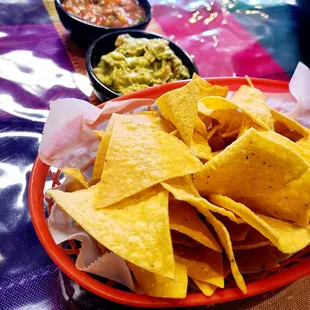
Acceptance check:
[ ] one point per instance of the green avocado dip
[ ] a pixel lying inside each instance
(137, 63)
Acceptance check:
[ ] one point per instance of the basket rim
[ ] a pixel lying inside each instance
(57, 254)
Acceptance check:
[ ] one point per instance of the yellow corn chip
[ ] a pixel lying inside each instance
(139, 157)
(200, 146)
(159, 286)
(279, 204)
(201, 127)
(252, 101)
(261, 163)
(178, 238)
(137, 228)
(99, 133)
(151, 119)
(202, 263)
(77, 175)
(180, 107)
(277, 138)
(103, 148)
(256, 260)
(254, 239)
(237, 232)
(289, 123)
(184, 189)
(183, 218)
(287, 237)
(206, 89)
(206, 288)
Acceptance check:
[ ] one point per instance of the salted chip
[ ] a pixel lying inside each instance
(206, 288)
(222, 111)
(287, 237)
(253, 102)
(183, 189)
(184, 219)
(279, 204)
(225, 240)
(151, 118)
(254, 239)
(206, 89)
(237, 232)
(103, 148)
(200, 147)
(290, 124)
(159, 286)
(256, 260)
(79, 181)
(137, 228)
(261, 163)
(139, 157)
(202, 263)
(180, 107)
(179, 238)
(305, 144)
(99, 134)
(200, 127)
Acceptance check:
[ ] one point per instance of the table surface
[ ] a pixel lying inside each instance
(39, 63)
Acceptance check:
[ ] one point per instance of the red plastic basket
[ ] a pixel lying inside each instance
(290, 270)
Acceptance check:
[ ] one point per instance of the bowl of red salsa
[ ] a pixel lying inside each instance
(87, 20)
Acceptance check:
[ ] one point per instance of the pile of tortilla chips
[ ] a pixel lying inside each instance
(203, 188)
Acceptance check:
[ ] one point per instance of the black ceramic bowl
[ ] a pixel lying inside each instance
(84, 33)
(106, 44)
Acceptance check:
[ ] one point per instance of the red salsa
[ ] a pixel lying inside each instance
(110, 13)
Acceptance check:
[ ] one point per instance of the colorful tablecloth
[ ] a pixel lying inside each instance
(39, 63)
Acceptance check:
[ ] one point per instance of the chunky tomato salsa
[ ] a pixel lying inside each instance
(111, 13)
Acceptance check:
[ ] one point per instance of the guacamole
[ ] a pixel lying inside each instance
(137, 63)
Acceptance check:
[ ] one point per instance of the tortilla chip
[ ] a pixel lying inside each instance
(139, 157)
(279, 204)
(290, 124)
(99, 134)
(183, 189)
(77, 175)
(206, 288)
(159, 286)
(253, 102)
(183, 218)
(200, 146)
(237, 232)
(151, 119)
(254, 239)
(304, 143)
(256, 260)
(261, 163)
(206, 89)
(103, 148)
(201, 127)
(277, 138)
(136, 229)
(180, 107)
(224, 238)
(178, 238)
(202, 263)
(221, 110)
(287, 237)
(217, 143)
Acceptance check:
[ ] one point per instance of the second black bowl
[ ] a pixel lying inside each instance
(106, 44)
